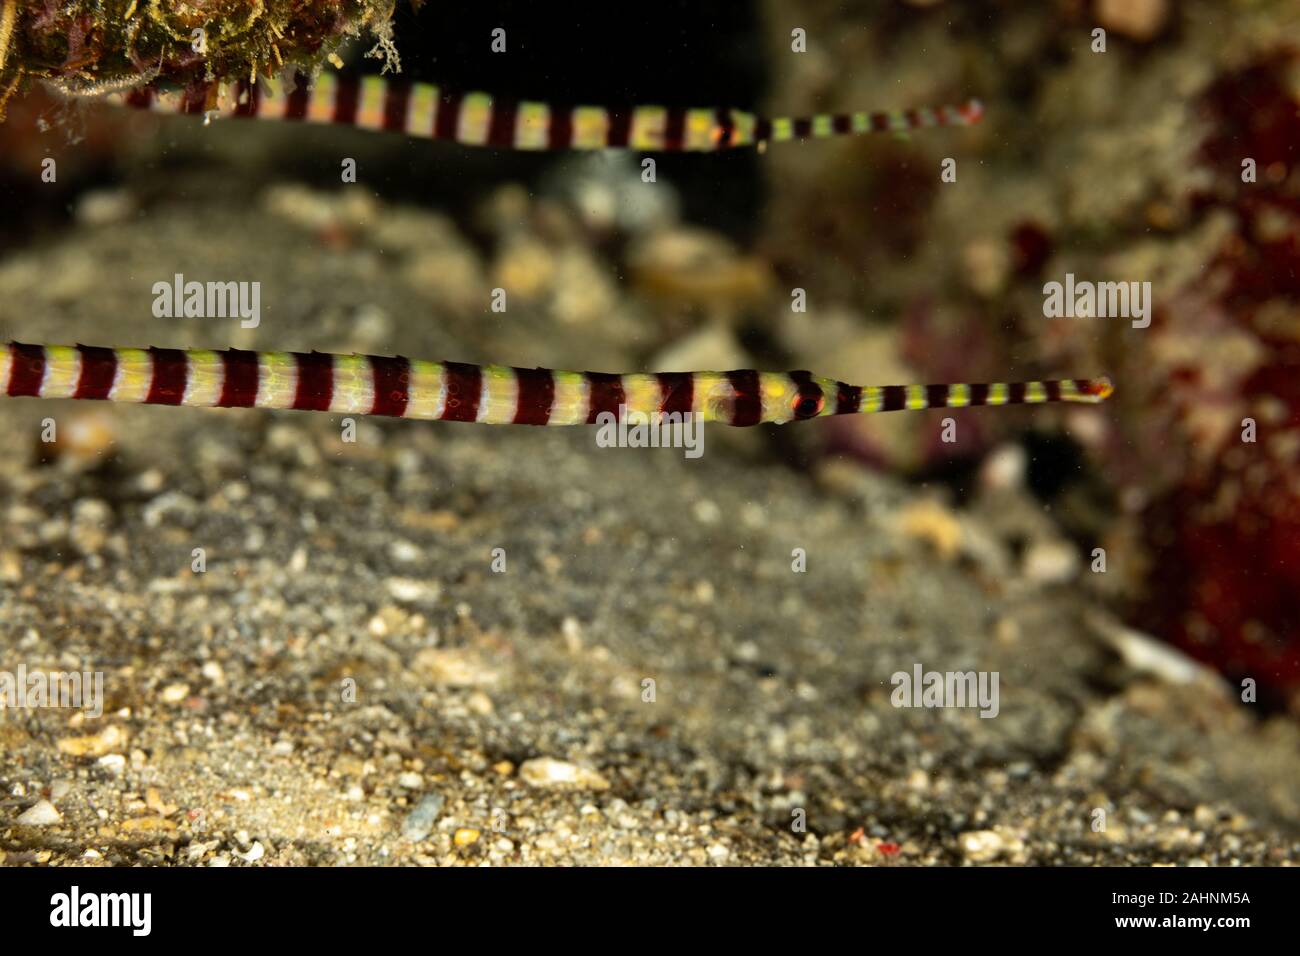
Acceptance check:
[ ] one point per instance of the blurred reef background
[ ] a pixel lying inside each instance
(501, 717)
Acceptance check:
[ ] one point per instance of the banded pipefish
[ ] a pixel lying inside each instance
(492, 394)
(479, 119)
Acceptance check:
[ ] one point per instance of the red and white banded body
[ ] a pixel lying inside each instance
(480, 119)
(491, 394)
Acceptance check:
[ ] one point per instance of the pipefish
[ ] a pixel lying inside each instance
(480, 119)
(490, 394)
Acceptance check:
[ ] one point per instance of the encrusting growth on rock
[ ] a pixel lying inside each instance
(94, 45)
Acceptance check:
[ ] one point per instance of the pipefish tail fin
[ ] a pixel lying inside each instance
(889, 398)
(489, 394)
(481, 119)
(827, 125)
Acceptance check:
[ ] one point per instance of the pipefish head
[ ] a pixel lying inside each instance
(748, 397)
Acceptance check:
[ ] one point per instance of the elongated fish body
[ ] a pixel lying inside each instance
(479, 119)
(491, 394)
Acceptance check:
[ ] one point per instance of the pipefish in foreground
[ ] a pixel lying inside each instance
(492, 394)
(479, 119)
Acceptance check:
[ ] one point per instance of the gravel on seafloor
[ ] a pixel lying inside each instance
(647, 679)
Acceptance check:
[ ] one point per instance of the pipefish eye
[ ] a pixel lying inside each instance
(809, 406)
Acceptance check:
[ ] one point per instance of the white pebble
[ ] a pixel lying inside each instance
(113, 763)
(549, 772)
(404, 552)
(981, 846)
(40, 814)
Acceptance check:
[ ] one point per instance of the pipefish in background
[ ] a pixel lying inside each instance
(479, 119)
(491, 394)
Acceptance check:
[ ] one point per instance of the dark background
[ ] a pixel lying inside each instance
(676, 53)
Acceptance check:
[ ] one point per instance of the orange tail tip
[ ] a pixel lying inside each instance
(973, 111)
(1100, 388)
